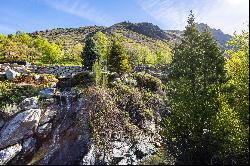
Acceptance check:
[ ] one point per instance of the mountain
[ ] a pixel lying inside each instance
(142, 33)
(144, 28)
(68, 37)
(219, 36)
(134, 36)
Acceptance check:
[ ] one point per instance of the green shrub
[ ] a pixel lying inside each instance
(11, 93)
(82, 79)
(147, 81)
(160, 158)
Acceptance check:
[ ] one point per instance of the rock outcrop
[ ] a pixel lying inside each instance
(20, 127)
(71, 130)
(7, 154)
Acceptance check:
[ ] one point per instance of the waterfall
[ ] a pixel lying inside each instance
(68, 97)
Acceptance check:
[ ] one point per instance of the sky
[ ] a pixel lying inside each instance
(36, 15)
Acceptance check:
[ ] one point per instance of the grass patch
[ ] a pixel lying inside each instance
(11, 93)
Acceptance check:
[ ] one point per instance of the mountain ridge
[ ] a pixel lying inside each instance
(148, 30)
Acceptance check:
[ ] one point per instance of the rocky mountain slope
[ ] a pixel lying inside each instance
(73, 121)
(221, 37)
(142, 33)
(76, 122)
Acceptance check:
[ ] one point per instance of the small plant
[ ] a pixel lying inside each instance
(9, 110)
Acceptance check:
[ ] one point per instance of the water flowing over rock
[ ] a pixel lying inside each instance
(7, 154)
(69, 137)
(21, 126)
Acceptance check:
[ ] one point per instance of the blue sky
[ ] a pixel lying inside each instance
(32, 15)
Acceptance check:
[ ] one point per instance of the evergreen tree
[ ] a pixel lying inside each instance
(196, 73)
(95, 48)
(118, 61)
(88, 54)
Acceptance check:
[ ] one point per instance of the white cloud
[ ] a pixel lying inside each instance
(81, 9)
(228, 15)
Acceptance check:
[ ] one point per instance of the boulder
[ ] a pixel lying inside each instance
(120, 149)
(20, 127)
(11, 74)
(145, 147)
(44, 130)
(28, 149)
(29, 103)
(129, 160)
(47, 92)
(89, 158)
(7, 154)
(49, 114)
(29, 145)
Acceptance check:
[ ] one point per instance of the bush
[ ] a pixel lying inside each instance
(11, 94)
(82, 79)
(149, 82)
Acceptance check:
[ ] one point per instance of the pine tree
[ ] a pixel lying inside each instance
(118, 61)
(95, 48)
(196, 73)
(88, 55)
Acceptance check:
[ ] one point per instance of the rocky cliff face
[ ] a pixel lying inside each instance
(77, 128)
(218, 35)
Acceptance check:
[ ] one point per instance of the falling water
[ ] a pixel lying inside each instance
(66, 99)
(55, 143)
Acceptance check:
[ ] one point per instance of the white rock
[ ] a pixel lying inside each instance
(89, 158)
(37, 77)
(29, 103)
(120, 149)
(21, 126)
(7, 154)
(11, 74)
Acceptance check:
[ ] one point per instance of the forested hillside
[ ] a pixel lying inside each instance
(65, 46)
